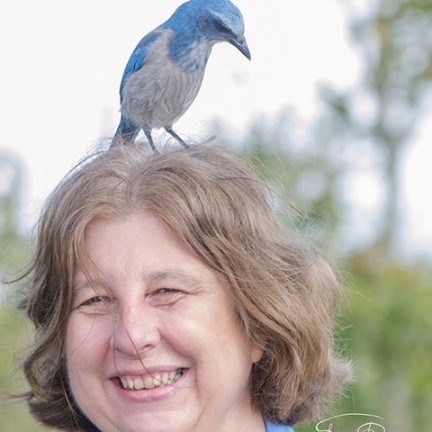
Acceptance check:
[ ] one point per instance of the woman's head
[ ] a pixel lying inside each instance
(283, 294)
(152, 337)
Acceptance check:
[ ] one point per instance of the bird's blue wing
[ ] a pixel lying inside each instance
(138, 56)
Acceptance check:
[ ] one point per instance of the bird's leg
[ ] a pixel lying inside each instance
(172, 133)
(150, 140)
(126, 133)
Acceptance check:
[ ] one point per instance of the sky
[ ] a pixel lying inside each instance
(62, 63)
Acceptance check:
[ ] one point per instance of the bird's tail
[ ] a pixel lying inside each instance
(125, 133)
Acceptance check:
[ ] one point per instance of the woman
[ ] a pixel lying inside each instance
(167, 297)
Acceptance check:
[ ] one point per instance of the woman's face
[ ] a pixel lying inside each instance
(153, 343)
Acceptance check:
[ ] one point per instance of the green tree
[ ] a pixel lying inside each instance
(10, 195)
(394, 38)
(14, 255)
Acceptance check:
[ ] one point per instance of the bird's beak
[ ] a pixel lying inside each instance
(240, 43)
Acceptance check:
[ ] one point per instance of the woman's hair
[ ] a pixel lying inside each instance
(284, 293)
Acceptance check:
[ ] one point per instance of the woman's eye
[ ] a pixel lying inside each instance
(96, 304)
(167, 291)
(95, 300)
(165, 296)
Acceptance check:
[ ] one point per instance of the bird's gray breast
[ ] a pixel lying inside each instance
(160, 92)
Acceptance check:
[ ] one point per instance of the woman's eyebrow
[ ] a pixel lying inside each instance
(173, 275)
(164, 276)
(87, 283)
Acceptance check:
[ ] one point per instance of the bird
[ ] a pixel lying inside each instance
(166, 69)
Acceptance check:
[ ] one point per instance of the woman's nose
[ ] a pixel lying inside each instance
(135, 331)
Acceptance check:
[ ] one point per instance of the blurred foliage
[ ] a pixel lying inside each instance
(11, 239)
(14, 416)
(388, 327)
(394, 39)
(14, 255)
(303, 174)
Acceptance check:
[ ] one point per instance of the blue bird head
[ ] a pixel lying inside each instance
(211, 21)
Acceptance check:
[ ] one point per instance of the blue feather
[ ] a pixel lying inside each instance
(138, 56)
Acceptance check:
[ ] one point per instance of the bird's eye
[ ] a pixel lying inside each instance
(222, 27)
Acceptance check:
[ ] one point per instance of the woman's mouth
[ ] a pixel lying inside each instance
(150, 382)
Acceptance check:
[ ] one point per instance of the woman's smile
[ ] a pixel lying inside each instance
(149, 388)
(161, 379)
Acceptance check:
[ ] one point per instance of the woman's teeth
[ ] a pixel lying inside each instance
(149, 382)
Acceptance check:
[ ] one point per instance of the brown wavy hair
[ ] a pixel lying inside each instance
(285, 294)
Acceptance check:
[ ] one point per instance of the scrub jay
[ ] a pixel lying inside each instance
(165, 71)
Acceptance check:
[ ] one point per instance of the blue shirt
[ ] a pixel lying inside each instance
(273, 427)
